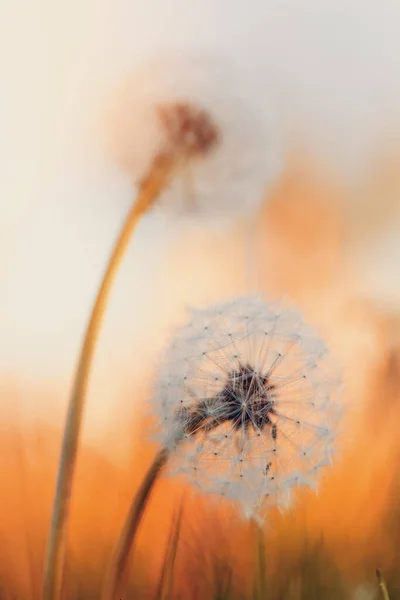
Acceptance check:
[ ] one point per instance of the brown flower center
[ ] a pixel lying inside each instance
(246, 401)
(189, 129)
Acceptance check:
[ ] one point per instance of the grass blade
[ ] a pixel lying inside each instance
(382, 585)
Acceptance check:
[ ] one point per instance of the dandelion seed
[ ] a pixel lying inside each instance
(227, 152)
(257, 411)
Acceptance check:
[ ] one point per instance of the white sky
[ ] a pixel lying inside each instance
(334, 63)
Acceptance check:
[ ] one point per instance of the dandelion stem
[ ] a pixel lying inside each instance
(118, 570)
(382, 584)
(260, 587)
(151, 186)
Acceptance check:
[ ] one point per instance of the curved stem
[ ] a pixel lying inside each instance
(150, 188)
(118, 571)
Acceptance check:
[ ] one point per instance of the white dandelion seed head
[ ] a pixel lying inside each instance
(245, 158)
(246, 401)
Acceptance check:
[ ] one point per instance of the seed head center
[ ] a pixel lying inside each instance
(189, 130)
(246, 401)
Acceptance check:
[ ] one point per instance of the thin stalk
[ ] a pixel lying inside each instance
(260, 586)
(382, 585)
(166, 581)
(151, 186)
(118, 571)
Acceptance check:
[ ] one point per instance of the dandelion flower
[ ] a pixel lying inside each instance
(229, 148)
(247, 411)
(246, 402)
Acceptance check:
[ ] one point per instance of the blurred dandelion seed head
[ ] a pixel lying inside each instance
(201, 108)
(189, 130)
(246, 398)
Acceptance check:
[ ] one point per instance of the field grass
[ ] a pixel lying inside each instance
(189, 548)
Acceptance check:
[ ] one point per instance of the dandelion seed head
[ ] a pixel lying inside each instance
(230, 148)
(189, 131)
(247, 391)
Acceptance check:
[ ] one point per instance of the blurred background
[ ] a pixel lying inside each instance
(326, 237)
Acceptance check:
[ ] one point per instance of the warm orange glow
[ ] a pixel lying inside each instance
(357, 494)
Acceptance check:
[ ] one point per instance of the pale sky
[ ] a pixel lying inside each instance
(334, 67)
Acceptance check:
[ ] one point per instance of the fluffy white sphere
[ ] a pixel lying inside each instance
(234, 176)
(246, 402)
